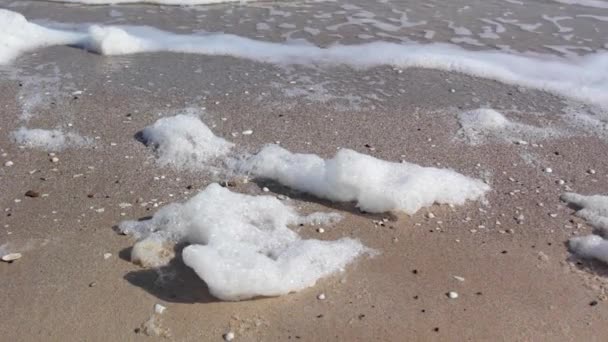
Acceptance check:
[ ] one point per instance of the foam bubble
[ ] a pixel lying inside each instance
(594, 209)
(590, 247)
(377, 185)
(49, 140)
(184, 141)
(483, 118)
(241, 245)
(485, 123)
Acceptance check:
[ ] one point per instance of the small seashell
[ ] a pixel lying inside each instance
(11, 257)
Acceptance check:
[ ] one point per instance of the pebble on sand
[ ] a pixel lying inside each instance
(229, 336)
(452, 295)
(32, 193)
(321, 296)
(9, 163)
(107, 256)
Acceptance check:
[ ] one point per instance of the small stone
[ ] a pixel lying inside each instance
(107, 256)
(548, 170)
(561, 182)
(159, 308)
(229, 336)
(92, 284)
(247, 132)
(321, 230)
(452, 295)
(265, 189)
(591, 171)
(10, 257)
(430, 215)
(9, 163)
(321, 296)
(459, 278)
(54, 160)
(32, 193)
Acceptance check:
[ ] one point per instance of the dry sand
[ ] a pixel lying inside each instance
(521, 284)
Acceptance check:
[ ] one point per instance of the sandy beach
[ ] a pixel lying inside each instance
(505, 256)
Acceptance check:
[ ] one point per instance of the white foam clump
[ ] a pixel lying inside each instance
(594, 209)
(49, 140)
(484, 123)
(241, 245)
(483, 118)
(18, 36)
(376, 185)
(584, 78)
(590, 246)
(184, 141)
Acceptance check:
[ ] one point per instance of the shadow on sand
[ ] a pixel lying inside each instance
(175, 282)
(348, 207)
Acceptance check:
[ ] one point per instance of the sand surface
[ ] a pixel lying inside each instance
(520, 281)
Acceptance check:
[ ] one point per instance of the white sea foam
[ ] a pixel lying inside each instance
(376, 185)
(590, 246)
(483, 124)
(586, 3)
(184, 141)
(18, 36)
(594, 209)
(595, 17)
(584, 78)
(241, 245)
(49, 140)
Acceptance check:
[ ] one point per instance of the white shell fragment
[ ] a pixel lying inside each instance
(159, 308)
(11, 257)
(229, 336)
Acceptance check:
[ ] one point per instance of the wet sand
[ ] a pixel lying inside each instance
(520, 282)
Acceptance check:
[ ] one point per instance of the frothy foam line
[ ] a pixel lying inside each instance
(153, 2)
(583, 78)
(586, 3)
